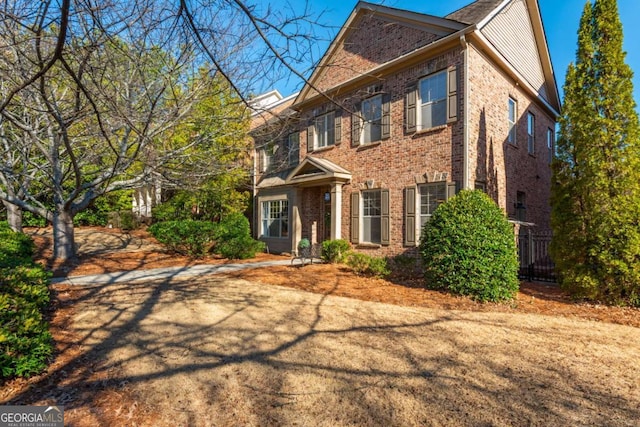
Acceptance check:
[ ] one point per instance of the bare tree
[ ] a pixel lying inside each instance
(91, 92)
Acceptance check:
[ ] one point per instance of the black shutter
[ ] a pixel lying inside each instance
(411, 109)
(355, 218)
(451, 190)
(386, 116)
(410, 216)
(355, 126)
(311, 130)
(385, 222)
(338, 126)
(452, 94)
(331, 128)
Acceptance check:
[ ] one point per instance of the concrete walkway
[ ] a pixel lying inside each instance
(162, 273)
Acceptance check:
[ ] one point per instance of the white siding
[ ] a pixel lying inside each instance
(511, 33)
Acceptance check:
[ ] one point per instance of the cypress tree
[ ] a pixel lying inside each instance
(596, 187)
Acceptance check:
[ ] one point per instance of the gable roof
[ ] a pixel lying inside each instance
(314, 169)
(439, 26)
(475, 12)
(468, 21)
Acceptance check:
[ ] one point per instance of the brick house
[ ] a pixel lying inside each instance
(403, 111)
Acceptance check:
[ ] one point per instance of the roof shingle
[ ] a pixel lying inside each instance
(474, 12)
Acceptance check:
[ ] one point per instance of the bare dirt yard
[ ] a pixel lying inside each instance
(320, 346)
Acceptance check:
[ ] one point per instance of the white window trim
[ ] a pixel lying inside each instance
(267, 218)
(363, 120)
(419, 104)
(362, 216)
(531, 133)
(316, 134)
(513, 124)
(551, 139)
(418, 207)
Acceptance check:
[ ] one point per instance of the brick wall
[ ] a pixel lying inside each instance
(407, 158)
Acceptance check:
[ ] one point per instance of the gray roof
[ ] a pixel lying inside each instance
(474, 12)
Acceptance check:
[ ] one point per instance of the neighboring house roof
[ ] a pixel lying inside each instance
(510, 30)
(269, 108)
(475, 12)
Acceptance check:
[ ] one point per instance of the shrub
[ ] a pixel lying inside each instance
(366, 265)
(468, 248)
(233, 238)
(15, 248)
(335, 251)
(188, 237)
(25, 341)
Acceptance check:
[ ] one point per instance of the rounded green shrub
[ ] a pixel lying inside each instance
(468, 248)
(233, 238)
(335, 251)
(366, 265)
(188, 237)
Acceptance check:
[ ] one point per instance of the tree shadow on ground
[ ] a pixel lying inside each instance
(254, 354)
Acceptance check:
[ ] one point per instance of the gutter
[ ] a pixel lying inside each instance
(465, 122)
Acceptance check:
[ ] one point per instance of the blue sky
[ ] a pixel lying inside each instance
(561, 19)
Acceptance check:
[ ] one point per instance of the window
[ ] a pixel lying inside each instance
(513, 113)
(275, 218)
(431, 196)
(480, 185)
(550, 138)
(521, 206)
(371, 216)
(372, 115)
(324, 130)
(293, 149)
(432, 100)
(265, 158)
(531, 133)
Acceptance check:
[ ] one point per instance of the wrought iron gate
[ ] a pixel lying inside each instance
(533, 254)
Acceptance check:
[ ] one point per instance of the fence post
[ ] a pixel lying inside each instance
(531, 254)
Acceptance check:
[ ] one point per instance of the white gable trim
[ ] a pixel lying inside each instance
(495, 11)
(434, 24)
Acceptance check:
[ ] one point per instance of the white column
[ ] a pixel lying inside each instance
(336, 210)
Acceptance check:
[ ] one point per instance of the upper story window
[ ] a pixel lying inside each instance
(531, 133)
(372, 119)
(521, 206)
(266, 158)
(324, 131)
(293, 148)
(512, 117)
(550, 141)
(432, 100)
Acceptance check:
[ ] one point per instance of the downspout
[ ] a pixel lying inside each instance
(465, 123)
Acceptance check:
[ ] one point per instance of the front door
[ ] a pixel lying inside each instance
(327, 216)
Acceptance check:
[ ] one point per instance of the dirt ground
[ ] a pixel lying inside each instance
(248, 349)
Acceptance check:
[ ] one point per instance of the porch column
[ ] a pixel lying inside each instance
(296, 221)
(336, 210)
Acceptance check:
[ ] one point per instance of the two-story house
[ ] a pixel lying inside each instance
(403, 111)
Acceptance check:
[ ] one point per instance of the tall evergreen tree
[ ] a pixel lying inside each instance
(596, 186)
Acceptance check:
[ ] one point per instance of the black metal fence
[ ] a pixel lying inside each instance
(533, 254)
